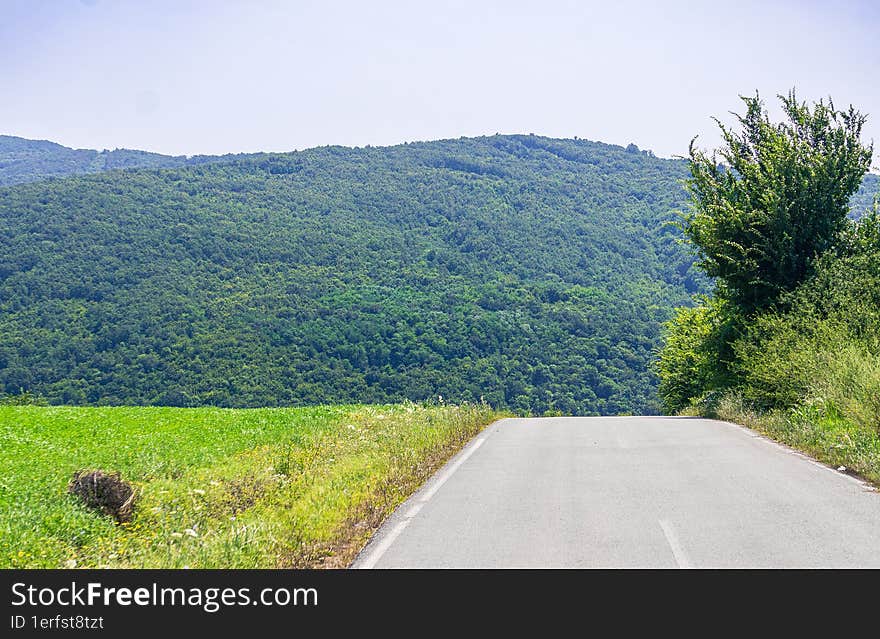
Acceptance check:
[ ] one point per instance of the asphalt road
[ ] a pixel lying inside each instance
(660, 492)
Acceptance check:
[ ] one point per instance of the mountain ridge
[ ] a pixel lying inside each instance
(23, 160)
(17, 164)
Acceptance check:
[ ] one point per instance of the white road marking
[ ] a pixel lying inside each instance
(678, 552)
(449, 471)
(376, 555)
(382, 547)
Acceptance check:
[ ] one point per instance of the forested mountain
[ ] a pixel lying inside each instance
(23, 160)
(864, 198)
(530, 271)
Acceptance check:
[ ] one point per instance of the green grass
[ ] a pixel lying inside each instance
(252, 488)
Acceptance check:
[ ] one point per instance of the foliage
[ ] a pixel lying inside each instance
(695, 353)
(826, 341)
(850, 382)
(796, 275)
(22, 398)
(255, 488)
(809, 376)
(780, 201)
(533, 272)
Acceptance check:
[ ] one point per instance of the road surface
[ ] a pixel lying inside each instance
(659, 492)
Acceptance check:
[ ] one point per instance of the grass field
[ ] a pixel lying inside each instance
(217, 488)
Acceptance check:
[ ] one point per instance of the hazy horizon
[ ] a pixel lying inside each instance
(194, 78)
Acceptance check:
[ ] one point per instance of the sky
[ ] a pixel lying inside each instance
(209, 77)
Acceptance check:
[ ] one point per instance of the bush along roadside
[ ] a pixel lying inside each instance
(789, 342)
(809, 376)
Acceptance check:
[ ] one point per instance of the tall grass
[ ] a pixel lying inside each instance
(837, 417)
(849, 380)
(815, 426)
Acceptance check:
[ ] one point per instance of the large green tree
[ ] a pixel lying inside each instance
(777, 200)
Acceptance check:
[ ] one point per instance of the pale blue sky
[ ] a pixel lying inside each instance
(187, 77)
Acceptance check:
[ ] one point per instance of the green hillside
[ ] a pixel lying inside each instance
(23, 160)
(529, 271)
(863, 199)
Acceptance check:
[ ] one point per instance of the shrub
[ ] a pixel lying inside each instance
(828, 341)
(694, 358)
(777, 360)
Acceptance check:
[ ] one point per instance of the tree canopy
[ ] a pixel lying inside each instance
(782, 225)
(781, 196)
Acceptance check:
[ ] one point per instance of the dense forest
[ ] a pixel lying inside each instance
(532, 272)
(23, 160)
(863, 199)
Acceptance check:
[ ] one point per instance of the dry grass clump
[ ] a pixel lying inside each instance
(106, 492)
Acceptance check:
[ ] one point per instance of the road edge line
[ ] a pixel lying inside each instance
(678, 552)
(368, 558)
